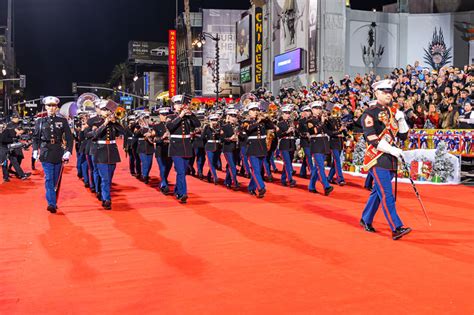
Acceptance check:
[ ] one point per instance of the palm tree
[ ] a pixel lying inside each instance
(187, 21)
(121, 73)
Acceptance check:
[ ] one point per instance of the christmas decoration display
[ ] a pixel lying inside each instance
(443, 168)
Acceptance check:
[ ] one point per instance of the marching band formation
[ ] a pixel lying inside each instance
(246, 139)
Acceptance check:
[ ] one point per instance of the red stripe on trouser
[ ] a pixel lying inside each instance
(319, 171)
(230, 169)
(253, 175)
(307, 162)
(335, 166)
(384, 201)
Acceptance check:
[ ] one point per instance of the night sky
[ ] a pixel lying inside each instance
(62, 41)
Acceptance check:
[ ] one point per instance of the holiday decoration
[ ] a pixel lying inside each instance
(443, 168)
(359, 152)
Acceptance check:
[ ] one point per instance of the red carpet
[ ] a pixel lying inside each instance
(226, 252)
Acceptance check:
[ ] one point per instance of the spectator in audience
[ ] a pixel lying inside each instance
(433, 116)
(418, 118)
(450, 118)
(466, 121)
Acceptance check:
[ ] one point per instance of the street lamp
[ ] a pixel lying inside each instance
(135, 78)
(4, 72)
(17, 91)
(119, 87)
(200, 41)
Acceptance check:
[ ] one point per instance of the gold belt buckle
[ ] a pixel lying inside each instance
(53, 141)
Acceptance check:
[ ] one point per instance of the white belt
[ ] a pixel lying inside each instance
(214, 141)
(317, 136)
(105, 141)
(257, 137)
(288, 137)
(141, 139)
(130, 138)
(180, 136)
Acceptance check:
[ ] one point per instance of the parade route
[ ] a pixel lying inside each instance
(226, 252)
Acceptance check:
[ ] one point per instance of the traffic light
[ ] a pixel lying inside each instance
(22, 81)
(74, 87)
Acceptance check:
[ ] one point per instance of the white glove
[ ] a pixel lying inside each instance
(35, 154)
(385, 147)
(66, 155)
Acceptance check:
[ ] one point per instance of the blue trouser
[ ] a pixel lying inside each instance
(307, 162)
(369, 181)
(256, 181)
(212, 162)
(230, 169)
(272, 160)
(147, 162)
(106, 173)
(78, 164)
(134, 162)
(287, 173)
(164, 164)
(218, 160)
(245, 160)
(91, 167)
(317, 173)
(382, 192)
(83, 166)
(266, 164)
(200, 159)
(51, 175)
(180, 166)
(95, 175)
(336, 168)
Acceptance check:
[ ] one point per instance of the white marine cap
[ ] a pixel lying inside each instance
(316, 104)
(164, 110)
(177, 99)
(305, 108)
(50, 100)
(287, 109)
(372, 103)
(132, 117)
(101, 103)
(383, 84)
(202, 111)
(214, 116)
(253, 105)
(232, 111)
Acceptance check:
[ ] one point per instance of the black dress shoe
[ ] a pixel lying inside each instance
(332, 181)
(6, 180)
(216, 182)
(269, 179)
(183, 198)
(165, 190)
(93, 190)
(293, 183)
(328, 190)
(400, 232)
(98, 195)
(86, 185)
(200, 176)
(261, 193)
(52, 208)
(367, 226)
(146, 180)
(236, 186)
(313, 191)
(107, 204)
(25, 177)
(252, 192)
(342, 183)
(303, 176)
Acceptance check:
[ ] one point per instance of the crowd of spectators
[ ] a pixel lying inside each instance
(430, 99)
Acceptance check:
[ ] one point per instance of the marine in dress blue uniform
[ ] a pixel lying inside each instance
(230, 137)
(107, 155)
(48, 138)
(319, 145)
(304, 141)
(146, 146)
(162, 141)
(180, 126)
(257, 148)
(336, 132)
(375, 122)
(212, 139)
(286, 133)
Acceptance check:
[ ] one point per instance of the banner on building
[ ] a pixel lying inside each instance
(258, 47)
(148, 52)
(222, 22)
(243, 39)
(172, 69)
(312, 36)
